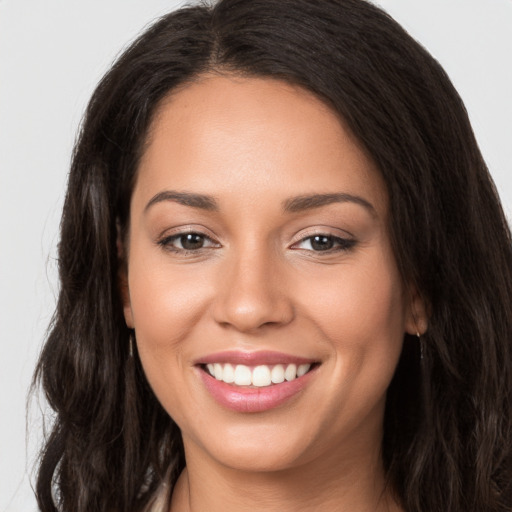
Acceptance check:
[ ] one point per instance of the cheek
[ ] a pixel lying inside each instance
(363, 305)
(166, 306)
(361, 316)
(361, 321)
(166, 300)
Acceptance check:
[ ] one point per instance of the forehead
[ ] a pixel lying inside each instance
(222, 134)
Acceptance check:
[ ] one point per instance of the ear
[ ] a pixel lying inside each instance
(122, 280)
(417, 314)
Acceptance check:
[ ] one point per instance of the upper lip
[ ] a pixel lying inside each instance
(255, 358)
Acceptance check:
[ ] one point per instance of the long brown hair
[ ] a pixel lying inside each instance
(448, 423)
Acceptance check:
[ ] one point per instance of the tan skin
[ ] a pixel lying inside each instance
(256, 279)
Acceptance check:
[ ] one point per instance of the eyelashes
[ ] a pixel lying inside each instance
(195, 243)
(188, 242)
(324, 243)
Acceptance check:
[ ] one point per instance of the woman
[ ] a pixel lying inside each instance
(285, 277)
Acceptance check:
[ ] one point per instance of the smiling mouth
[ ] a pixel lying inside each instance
(259, 376)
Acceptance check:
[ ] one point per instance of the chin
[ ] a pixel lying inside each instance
(264, 448)
(258, 458)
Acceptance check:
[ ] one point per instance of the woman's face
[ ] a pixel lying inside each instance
(258, 250)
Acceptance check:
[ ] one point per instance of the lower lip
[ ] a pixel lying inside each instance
(245, 399)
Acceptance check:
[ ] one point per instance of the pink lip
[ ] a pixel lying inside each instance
(251, 399)
(252, 358)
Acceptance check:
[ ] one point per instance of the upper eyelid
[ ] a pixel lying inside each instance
(334, 237)
(176, 236)
(175, 233)
(185, 230)
(322, 231)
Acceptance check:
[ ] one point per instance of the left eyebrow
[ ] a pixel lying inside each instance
(308, 202)
(201, 201)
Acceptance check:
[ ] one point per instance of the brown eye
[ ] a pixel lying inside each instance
(191, 241)
(321, 242)
(325, 243)
(187, 242)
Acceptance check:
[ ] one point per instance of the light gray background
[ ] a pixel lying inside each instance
(52, 53)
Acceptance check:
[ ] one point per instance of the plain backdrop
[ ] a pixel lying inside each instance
(52, 53)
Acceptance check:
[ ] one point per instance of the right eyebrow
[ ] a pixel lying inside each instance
(200, 201)
(309, 202)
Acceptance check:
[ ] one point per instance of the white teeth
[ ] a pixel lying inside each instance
(277, 374)
(217, 371)
(291, 372)
(242, 375)
(259, 376)
(303, 369)
(228, 374)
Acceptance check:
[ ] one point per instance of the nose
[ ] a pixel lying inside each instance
(252, 294)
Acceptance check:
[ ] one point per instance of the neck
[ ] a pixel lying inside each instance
(354, 485)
